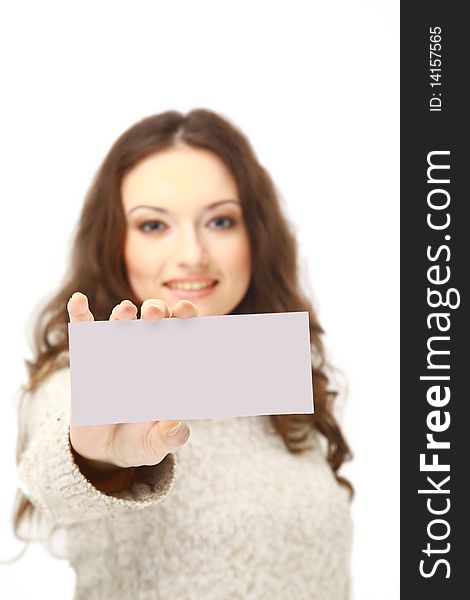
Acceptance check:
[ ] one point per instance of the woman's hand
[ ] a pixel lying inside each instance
(115, 446)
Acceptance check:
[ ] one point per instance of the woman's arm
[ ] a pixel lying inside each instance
(103, 476)
(62, 485)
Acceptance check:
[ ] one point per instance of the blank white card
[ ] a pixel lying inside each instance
(197, 368)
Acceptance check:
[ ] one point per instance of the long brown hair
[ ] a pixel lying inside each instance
(97, 268)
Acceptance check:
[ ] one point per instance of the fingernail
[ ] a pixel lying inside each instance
(176, 429)
(156, 304)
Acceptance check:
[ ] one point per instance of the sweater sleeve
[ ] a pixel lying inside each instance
(51, 479)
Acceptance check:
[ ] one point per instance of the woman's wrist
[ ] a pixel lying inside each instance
(106, 477)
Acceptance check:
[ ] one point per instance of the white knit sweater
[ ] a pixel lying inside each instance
(232, 515)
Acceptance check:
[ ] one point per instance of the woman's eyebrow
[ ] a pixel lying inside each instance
(164, 211)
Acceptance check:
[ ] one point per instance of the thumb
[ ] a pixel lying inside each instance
(155, 441)
(164, 437)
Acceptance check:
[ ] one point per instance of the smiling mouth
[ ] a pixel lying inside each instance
(191, 286)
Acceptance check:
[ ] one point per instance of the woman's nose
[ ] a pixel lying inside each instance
(190, 250)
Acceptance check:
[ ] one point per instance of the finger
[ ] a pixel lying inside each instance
(184, 309)
(154, 309)
(139, 444)
(167, 436)
(125, 311)
(78, 308)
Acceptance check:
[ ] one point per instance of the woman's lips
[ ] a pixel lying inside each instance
(190, 294)
(191, 278)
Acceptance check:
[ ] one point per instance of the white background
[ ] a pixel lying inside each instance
(315, 86)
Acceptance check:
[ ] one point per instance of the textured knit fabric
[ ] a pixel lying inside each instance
(230, 515)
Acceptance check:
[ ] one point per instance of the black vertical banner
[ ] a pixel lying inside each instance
(435, 252)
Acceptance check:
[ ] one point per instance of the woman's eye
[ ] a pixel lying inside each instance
(229, 222)
(150, 226)
(216, 223)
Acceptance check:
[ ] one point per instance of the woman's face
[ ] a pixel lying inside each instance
(185, 231)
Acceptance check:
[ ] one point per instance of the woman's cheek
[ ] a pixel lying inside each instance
(130, 255)
(240, 255)
(234, 246)
(138, 258)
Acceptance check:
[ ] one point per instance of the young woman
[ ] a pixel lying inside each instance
(180, 221)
